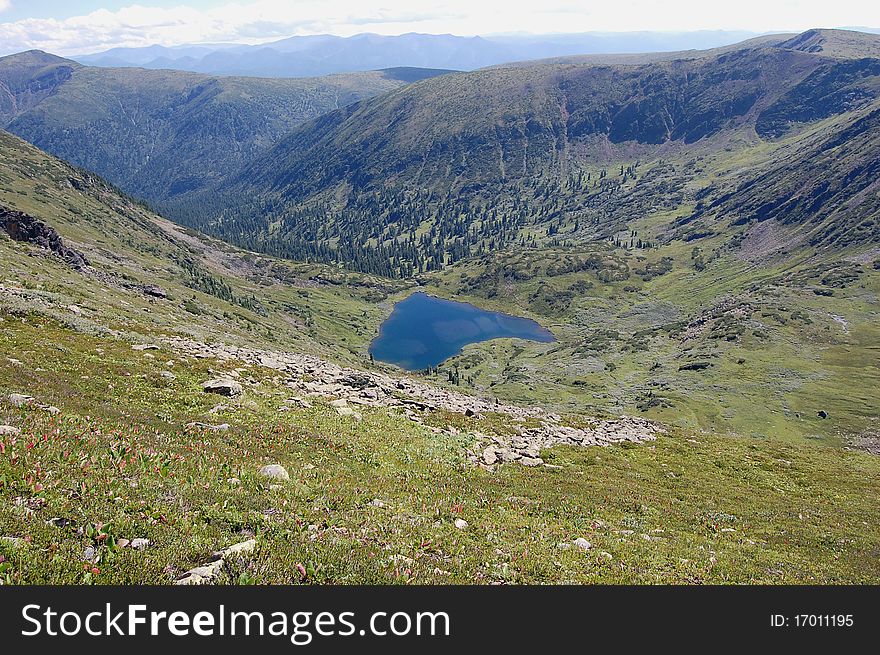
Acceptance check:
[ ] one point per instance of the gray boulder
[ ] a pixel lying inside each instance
(20, 400)
(275, 472)
(222, 386)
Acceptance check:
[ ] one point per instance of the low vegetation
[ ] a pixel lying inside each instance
(376, 501)
(680, 291)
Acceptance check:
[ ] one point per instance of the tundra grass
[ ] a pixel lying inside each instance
(118, 462)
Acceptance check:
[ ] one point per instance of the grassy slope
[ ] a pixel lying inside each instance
(688, 508)
(683, 510)
(121, 240)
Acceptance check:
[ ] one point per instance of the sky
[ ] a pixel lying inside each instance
(67, 27)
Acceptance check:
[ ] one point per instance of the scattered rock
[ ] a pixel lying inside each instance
(582, 543)
(348, 411)
(243, 548)
(20, 400)
(694, 366)
(235, 482)
(275, 472)
(223, 427)
(59, 522)
(205, 574)
(507, 454)
(490, 455)
(140, 543)
(154, 290)
(822, 413)
(122, 543)
(461, 524)
(377, 502)
(222, 386)
(89, 554)
(532, 429)
(209, 572)
(145, 346)
(8, 430)
(168, 375)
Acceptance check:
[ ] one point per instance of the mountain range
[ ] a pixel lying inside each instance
(194, 400)
(570, 147)
(302, 56)
(419, 168)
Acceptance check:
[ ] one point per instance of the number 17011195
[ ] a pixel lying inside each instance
(812, 620)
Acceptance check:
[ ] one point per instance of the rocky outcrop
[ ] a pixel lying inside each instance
(154, 290)
(532, 428)
(222, 386)
(207, 573)
(525, 447)
(22, 227)
(21, 400)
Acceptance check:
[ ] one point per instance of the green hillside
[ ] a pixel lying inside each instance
(117, 467)
(160, 134)
(463, 164)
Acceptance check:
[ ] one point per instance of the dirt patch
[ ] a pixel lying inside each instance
(869, 441)
(766, 239)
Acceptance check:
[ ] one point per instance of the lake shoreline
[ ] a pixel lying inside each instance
(423, 331)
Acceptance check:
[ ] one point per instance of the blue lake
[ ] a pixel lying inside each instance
(424, 331)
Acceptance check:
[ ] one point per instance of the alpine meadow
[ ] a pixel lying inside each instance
(641, 291)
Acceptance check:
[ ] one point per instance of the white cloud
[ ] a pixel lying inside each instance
(256, 20)
(4, 5)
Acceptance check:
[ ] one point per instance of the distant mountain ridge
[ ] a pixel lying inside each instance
(29, 78)
(302, 56)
